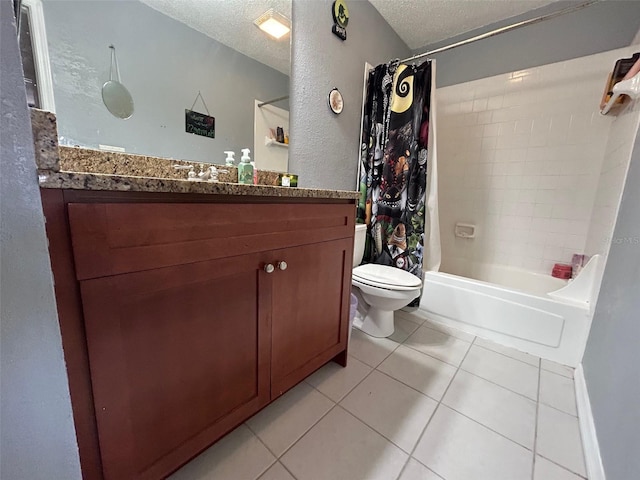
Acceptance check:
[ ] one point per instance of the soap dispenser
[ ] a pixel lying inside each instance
(230, 161)
(245, 169)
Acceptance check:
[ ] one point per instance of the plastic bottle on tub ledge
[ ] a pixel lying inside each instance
(577, 262)
(245, 169)
(561, 270)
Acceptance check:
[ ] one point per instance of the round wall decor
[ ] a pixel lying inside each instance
(336, 103)
(340, 13)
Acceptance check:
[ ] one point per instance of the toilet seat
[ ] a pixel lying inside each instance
(385, 277)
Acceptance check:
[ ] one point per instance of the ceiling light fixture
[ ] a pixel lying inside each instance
(273, 23)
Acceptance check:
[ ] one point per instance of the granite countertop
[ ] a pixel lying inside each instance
(101, 181)
(78, 168)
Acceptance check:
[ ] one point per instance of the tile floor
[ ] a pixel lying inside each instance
(428, 403)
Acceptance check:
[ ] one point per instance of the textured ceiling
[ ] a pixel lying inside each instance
(231, 22)
(417, 22)
(424, 22)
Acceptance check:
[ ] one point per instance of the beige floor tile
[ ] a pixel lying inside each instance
(479, 432)
(418, 370)
(414, 470)
(238, 456)
(391, 408)
(416, 316)
(558, 391)
(403, 329)
(276, 472)
(513, 374)
(546, 470)
(335, 381)
(556, 368)
(288, 418)
(422, 318)
(502, 410)
(439, 345)
(454, 332)
(559, 439)
(457, 448)
(341, 447)
(370, 350)
(510, 352)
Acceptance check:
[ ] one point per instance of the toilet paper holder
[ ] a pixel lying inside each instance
(465, 230)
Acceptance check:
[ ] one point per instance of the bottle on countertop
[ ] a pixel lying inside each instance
(230, 161)
(255, 172)
(280, 135)
(245, 169)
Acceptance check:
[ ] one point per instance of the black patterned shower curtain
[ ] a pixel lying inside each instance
(393, 170)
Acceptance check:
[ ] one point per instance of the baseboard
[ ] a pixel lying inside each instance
(592, 458)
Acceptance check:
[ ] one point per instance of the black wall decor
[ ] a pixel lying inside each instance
(200, 124)
(340, 14)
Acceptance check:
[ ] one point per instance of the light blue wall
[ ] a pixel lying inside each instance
(37, 438)
(324, 147)
(164, 64)
(612, 357)
(600, 27)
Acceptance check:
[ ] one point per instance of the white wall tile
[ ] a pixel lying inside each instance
(611, 181)
(485, 117)
(491, 130)
(559, 130)
(479, 105)
(466, 107)
(494, 102)
(533, 162)
(524, 126)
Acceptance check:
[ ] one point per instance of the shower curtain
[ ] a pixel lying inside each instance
(398, 187)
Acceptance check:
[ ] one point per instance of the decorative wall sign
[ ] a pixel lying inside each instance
(199, 123)
(336, 103)
(341, 17)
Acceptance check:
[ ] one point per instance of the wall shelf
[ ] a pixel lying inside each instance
(629, 87)
(271, 142)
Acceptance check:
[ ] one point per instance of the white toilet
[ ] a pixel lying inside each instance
(384, 289)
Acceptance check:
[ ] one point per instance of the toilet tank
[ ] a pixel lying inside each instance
(358, 243)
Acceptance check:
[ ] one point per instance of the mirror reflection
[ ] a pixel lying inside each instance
(174, 57)
(115, 95)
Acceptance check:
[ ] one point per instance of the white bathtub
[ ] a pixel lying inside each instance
(533, 313)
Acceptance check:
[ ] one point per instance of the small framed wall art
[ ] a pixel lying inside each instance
(340, 14)
(336, 103)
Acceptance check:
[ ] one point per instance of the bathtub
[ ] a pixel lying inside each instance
(534, 313)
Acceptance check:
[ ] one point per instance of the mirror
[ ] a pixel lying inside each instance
(117, 99)
(169, 52)
(115, 95)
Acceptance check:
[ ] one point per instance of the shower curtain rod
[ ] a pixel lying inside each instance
(500, 30)
(269, 102)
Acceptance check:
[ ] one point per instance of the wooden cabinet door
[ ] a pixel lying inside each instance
(178, 356)
(310, 302)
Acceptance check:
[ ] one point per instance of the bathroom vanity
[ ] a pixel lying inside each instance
(183, 314)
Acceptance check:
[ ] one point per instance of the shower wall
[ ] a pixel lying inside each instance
(520, 156)
(611, 182)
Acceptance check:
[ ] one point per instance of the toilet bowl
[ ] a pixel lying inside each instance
(383, 289)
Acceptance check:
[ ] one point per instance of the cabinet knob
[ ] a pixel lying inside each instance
(282, 265)
(269, 268)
